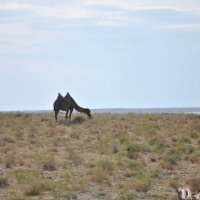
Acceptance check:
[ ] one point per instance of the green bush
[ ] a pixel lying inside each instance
(137, 168)
(3, 182)
(133, 149)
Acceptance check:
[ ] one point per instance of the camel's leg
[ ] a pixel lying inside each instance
(56, 114)
(70, 113)
(66, 115)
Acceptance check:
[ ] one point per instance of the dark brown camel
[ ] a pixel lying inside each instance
(67, 104)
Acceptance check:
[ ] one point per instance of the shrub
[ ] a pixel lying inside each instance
(143, 184)
(172, 159)
(165, 165)
(128, 196)
(34, 190)
(10, 160)
(105, 165)
(137, 168)
(3, 182)
(173, 183)
(157, 197)
(26, 176)
(102, 169)
(194, 184)
(158, 146)
(78, 120)
(155, 174)
(185, 149)
(123, 138)
(49, 164)
(8, 139)
(132, 150)
(74, 157)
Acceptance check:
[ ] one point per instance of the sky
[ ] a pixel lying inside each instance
(105, 53)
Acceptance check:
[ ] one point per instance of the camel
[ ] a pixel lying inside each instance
(67, 104)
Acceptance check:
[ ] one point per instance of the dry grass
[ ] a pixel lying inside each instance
(112, 156)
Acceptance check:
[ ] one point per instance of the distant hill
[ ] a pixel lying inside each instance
(148, 110)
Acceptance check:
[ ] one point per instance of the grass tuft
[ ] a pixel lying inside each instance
(194, 184)
(143, 184)
(102, 170)
(50, 164)
(34, 190)
(133, 150)
(3, 182)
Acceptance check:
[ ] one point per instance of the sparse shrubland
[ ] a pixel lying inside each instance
(111, 156)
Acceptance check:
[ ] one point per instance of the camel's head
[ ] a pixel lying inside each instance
(87, 112)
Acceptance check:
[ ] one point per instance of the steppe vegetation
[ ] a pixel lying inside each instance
(108, 157)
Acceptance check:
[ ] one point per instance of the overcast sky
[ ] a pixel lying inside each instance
(105, 53)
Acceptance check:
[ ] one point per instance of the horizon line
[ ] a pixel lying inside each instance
(122, 110)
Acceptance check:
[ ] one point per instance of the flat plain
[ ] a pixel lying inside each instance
(111, 156)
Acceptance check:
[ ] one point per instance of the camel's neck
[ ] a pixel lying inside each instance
(76, 106)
